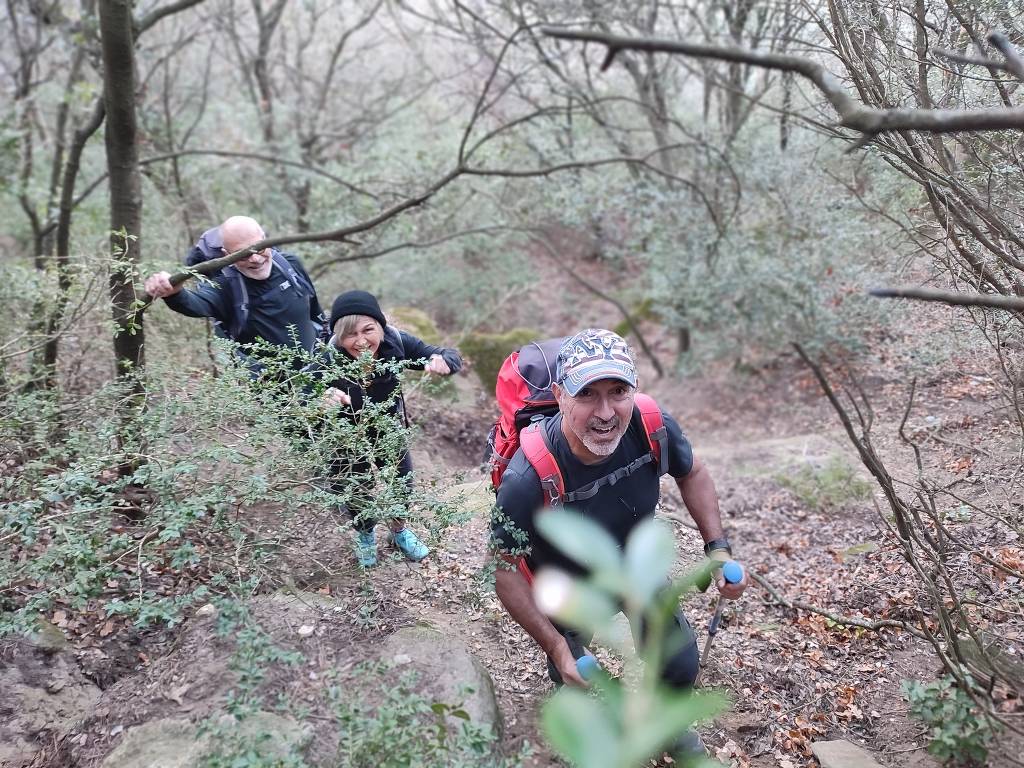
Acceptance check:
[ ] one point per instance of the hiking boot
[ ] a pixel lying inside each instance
(366, 549)
(411, 547)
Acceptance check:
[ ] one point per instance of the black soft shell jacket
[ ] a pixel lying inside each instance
(395, 346)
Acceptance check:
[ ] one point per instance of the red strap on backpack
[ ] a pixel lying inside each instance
(534, 442)
(654, 425)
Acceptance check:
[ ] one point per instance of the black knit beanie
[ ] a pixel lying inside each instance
(356, 303)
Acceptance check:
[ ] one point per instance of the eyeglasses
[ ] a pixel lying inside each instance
(248, 255)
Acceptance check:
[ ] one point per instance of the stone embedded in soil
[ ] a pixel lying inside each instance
(842, 754)
(40, 693)
(446, 668)
(176, 743)
(47, 637)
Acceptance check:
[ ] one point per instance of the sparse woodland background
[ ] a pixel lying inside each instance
(458, 159)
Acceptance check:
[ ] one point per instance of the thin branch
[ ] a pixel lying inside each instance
(344, 233)
(847, 621)
(336, 235)
(156, 14)
(852, 114)
(320, 269)
(262, 158)
(1011, 303)
(978, 61)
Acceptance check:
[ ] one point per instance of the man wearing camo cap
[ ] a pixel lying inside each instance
(605, 455)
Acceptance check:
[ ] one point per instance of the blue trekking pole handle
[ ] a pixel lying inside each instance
(732, 572)
(587, 665)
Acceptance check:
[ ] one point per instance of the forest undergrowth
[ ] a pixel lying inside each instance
(224, 518)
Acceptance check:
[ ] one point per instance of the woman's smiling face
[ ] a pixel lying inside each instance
(363, 335)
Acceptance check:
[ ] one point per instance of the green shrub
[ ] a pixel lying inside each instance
(403, 729)
(826, 488)
(76, 527)
(960, 733)
(615, 725)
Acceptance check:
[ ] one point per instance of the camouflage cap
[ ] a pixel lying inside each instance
(592, 355)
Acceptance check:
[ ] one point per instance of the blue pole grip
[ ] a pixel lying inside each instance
(587, 665)
(732, 572)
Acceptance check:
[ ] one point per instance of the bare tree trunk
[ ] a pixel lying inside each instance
(116, 31)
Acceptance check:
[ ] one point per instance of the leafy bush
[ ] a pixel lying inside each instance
(960, 733)
(89, 536)
(404, 729)
(489, 350)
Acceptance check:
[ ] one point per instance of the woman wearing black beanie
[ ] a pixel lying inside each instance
(360, 329)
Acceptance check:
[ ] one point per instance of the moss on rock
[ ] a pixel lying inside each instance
(489, 350)
(415, 321)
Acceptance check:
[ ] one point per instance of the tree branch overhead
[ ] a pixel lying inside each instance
(852, 114)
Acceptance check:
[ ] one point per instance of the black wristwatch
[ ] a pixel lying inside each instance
(714, 544)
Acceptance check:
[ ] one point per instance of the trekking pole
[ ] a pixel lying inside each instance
(732, 572)
(587, 665)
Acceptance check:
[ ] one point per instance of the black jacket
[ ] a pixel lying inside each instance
(275, 308)
(395, 346)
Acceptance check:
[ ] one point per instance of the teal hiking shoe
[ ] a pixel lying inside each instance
(411, 547)
(366, 549)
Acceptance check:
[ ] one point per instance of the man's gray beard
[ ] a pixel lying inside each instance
(600, 449)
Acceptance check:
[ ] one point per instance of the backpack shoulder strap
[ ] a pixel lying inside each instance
(238, 297)
(396, 336)
(654, 424)
(293, 275)
(534, 442)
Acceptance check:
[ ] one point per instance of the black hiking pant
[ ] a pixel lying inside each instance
(682, 659)
(346, 470)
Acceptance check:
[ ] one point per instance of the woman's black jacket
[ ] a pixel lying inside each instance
(395, 346)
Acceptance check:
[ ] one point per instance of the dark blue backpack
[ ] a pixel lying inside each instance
(210, 246)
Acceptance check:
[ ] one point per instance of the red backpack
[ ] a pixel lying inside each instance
(523, 391)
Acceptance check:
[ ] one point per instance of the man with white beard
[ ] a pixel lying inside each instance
(265, 296)
(610, 462)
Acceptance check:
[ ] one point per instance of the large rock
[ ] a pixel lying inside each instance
(41, 693)
(174, 743)
(415, 321)
(446, 668)
(842, 754)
